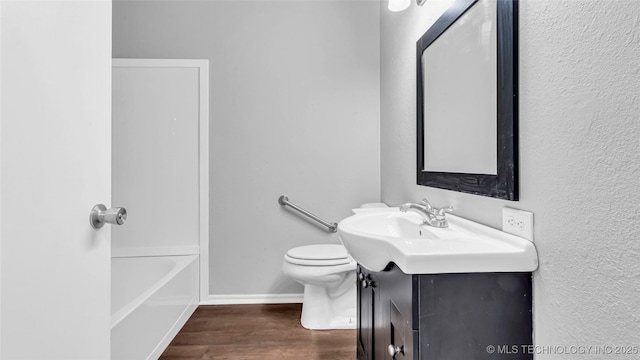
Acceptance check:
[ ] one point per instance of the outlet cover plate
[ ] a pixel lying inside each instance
(518, 222)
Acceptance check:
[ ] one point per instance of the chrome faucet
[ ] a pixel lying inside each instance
(430, 215)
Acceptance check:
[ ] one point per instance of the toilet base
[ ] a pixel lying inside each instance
(322, 310)
(346, 321)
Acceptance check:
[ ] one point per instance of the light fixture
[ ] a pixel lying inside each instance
(399, 5)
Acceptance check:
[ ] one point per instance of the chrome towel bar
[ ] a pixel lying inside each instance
(284, 201)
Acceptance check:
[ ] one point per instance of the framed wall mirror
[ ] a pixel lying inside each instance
(467, 98)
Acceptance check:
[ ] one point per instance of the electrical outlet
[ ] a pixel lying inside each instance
(518, 222)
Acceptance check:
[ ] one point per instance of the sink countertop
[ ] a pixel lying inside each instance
(376, 237)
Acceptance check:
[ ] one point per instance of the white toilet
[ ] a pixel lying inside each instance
(328, 274)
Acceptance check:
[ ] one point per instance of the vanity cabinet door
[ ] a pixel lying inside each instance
(394, 330)
(400, 335)
(367, 293)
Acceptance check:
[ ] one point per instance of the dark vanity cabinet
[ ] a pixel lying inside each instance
(366, 290)
(468, 316)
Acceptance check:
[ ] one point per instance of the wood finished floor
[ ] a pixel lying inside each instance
(257, 332)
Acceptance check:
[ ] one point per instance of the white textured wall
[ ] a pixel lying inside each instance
(294, 110)
(579, 156)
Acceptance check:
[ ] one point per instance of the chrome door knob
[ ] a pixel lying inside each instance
(394, 350)
(100, 215)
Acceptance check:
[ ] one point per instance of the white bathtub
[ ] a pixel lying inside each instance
(151, 299)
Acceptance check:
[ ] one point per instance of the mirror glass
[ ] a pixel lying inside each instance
(462, 138)
(467, 100)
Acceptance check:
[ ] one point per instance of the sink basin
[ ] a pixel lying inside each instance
(376, 237)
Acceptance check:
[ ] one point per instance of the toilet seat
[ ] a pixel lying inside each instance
(318, 255)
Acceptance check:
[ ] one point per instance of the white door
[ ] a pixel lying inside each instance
(55, 60)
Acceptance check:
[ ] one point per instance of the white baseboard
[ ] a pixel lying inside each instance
(253, 299)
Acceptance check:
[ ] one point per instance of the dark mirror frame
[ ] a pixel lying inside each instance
(504, 185)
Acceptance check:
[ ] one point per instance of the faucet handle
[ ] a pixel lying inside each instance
(440, 213)
(426, 203)
(444, 210)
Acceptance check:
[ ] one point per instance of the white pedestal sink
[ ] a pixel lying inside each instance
(376, 237)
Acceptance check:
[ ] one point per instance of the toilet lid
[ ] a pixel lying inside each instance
(323, 254)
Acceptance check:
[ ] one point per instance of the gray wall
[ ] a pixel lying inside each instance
(579, 154)
(294, 110)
